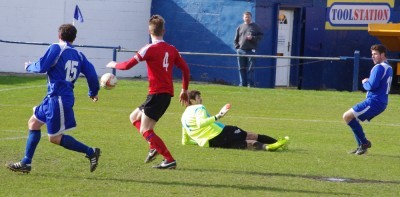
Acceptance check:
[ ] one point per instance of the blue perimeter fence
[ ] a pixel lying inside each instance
(115, 49)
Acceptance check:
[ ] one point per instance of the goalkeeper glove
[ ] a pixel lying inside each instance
(223, 111)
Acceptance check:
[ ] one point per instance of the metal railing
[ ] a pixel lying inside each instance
(356, 58)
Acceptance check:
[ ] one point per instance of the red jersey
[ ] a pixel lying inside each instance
(160, 58)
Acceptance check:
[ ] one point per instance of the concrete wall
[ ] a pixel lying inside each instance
(106, 23)
(192, 26)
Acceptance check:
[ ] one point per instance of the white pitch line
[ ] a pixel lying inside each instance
(315, 120)
(22, 87)
(251, 117)
(17, 138)
(13, 138)
(28, 87)
(13, 131)
(244, 117)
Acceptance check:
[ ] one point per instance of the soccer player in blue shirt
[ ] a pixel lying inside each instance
(63, 64)
(378, 87)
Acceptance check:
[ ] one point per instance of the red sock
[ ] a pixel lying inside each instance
(158, 144)
(137, 124)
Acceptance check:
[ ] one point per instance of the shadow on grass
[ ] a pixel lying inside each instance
(197, 185)
(319, 178)
(388, 156)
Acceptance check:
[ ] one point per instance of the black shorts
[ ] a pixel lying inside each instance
(156, 105)
(230, 137)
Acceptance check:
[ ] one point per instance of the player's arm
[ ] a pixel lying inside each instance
(181, 64)
(91, 77)
(373, 81)
(45, 62)
(202, 118)
(124, 65)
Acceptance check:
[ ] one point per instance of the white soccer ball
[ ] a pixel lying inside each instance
(108, 81)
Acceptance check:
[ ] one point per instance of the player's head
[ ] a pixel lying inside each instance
(247, 17)
(156, 25)
(67, 32)
(378, 53)
(195, 97)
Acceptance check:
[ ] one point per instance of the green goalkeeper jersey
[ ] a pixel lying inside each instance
(198, 127)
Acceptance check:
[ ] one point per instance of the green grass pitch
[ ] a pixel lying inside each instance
(316, 164)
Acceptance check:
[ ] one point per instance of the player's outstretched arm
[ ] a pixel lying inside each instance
(223, 111)
(27, 64)
(111, 64)
(44, 64)
(124, 65)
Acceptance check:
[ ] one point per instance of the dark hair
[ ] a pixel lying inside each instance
(67, 32)
(156, 25)
(380, 48)
(193, 94)
(247, 13)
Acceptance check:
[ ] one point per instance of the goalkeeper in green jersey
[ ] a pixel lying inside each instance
(199, 128)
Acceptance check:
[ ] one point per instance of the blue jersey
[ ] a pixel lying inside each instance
(63, 64)
(378, 84)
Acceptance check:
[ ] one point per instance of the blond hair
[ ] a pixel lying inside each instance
(156, 25)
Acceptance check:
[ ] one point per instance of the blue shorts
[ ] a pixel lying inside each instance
(368, 109)
(57, 113)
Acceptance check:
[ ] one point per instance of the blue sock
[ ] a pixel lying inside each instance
(31, 144)
(357, 140)
(70, 143)
(358, 131)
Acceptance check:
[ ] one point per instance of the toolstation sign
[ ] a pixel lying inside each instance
(345, 15)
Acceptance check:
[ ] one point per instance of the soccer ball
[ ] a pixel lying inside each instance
(108, 81)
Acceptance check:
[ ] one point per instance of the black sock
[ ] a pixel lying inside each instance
(265, 139)
(258, 146)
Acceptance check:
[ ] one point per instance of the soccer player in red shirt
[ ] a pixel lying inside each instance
(160, 58)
